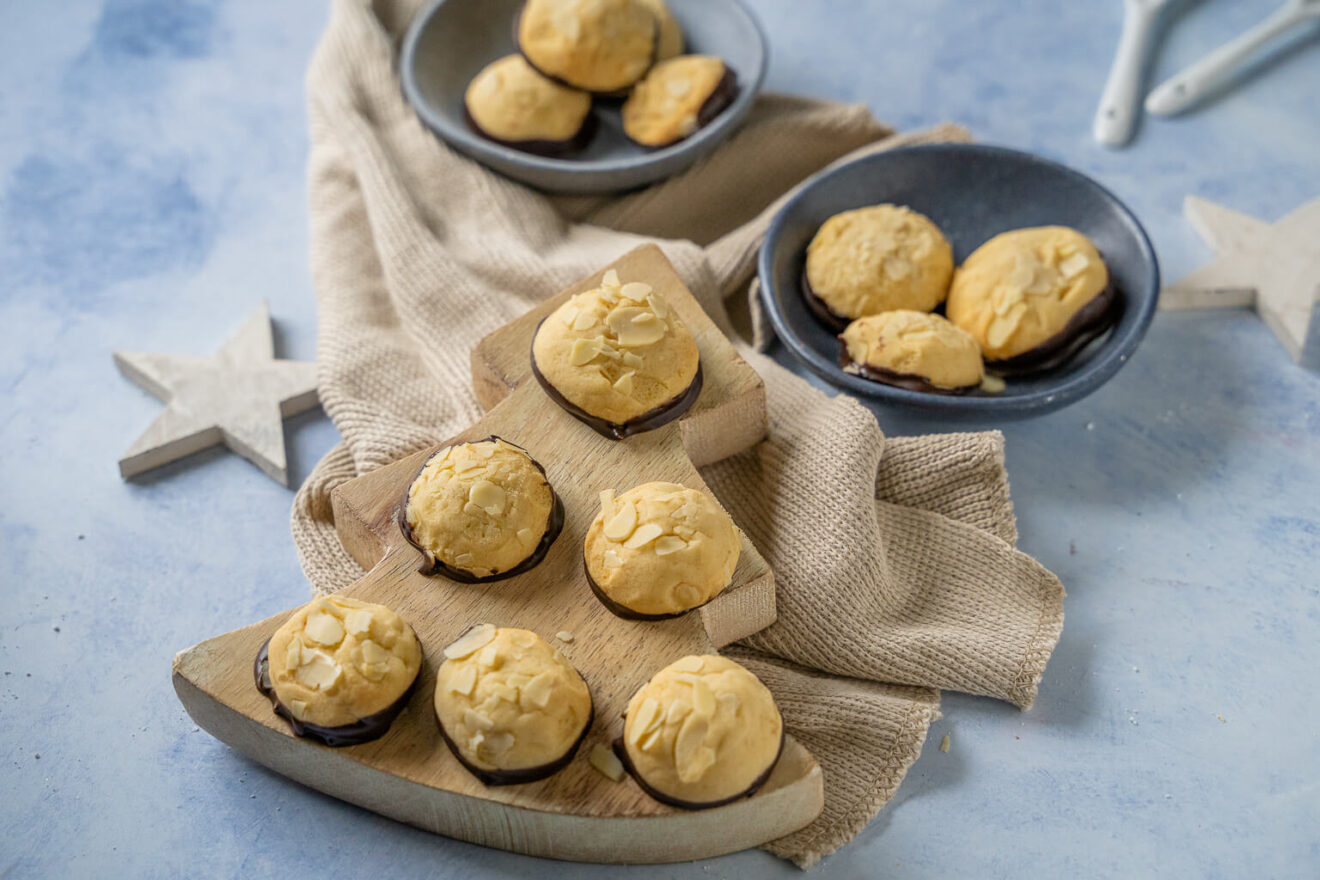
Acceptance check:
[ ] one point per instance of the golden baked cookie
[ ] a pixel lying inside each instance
(659, 550)
(676, 98)
(876, 259)
(601, 46)
(618, 358)
(339, 670)
(480, 512)
(669, 41)
(511, 103)
(1038, 294)
(919, 351)
(510, 707)
(704, 731)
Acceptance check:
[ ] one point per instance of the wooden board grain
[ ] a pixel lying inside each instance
(576, 814)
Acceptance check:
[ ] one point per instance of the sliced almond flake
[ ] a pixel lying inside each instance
(690, 663)
(293, 656)
(358, 621)
(499, 743)
(539, 690)
(324, 629)
(606, 763)
(318, 671)
(584, 321)
(689, 759)
(612, 559)
(677, 711)
(645, 534)
(652, 739)
(610, 279)
(564, 636)
(1074, 265)
(570, 315)
(477, 637)
(624, 384)
(644, 318)
(490, 657)
(476, 720)
(621, 525)
(464, 680)
(298, 708)
(703, 699)
(637, 291)
(667, 544)
(584, 352)
(729, 701)
(647, 718)
(657, 304)
(606, 504)
(632, 360)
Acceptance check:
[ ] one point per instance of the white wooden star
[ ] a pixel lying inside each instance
(1272, 267)
(238, 397)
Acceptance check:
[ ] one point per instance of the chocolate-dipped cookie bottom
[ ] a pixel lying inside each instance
(648, 421)
(623, 611)
(363, 730)
(622, 753)
(621, 92)
(1087, 324)
(541, 147)
(716, 103)
(522, 774)
(827, 316)
(431, 565)
(908, 381)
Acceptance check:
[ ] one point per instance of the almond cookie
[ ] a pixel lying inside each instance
(876, 259)
(618, 358)
(703, 732)
(510, 103)
(1033, 298)
(600, 46)
(339, 670)
(480, 512)
(919, 351)
(660, 550)
(676, 98)
(510, 707)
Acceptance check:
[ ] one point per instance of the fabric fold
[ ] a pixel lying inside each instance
(894, 558)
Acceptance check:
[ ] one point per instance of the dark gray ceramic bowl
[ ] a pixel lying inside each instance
(452, 40)
(972, 193)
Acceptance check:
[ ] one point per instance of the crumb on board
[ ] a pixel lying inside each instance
(944, 743)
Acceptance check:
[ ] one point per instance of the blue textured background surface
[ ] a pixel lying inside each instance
(151, 192)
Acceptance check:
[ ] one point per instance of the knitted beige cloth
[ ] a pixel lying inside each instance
(894, 559)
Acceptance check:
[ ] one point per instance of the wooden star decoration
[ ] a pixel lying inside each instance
(238, 397)
(1272, 267)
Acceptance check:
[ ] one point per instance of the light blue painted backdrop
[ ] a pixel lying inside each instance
(151, 192)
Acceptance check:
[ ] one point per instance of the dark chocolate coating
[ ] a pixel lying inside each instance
(910, 381)
(552, 149)
(360, 731)
(522, 774)
(432, 566)
(617, 93)
(720, 98)
(622, 752)
(836, 322)
(1087, 323)
(620, 610)
(648, 421)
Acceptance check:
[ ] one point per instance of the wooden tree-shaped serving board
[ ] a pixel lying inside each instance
(578, 813)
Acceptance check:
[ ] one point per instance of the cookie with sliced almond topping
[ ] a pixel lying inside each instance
(703, 732)
(618, 358)
(659, 550)
(919, 351)
(598, 46)
(511, 708)
(510, 103)
(676, 98)
(876, 259)
(339, 670)
(480, 512)
(1032, 298)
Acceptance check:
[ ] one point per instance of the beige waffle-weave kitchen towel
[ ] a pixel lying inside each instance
(894, 559)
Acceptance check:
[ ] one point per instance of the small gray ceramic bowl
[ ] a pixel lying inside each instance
(452, 40)
(972, 193)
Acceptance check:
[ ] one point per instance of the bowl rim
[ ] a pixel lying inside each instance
(460, 137)
(1115, 348)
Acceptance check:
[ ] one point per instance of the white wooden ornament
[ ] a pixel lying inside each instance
(1271, 267)
(238, 397)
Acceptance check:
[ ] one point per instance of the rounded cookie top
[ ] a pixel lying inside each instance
(878, 259)
(703, 730)
(337, 660)
(922, 345)
(596, 45)
(510, 101)
(616, 352)
(676, 98)
(669, 42)
(480, 507)
(1020, 288)
(508, 701)
(661, 548)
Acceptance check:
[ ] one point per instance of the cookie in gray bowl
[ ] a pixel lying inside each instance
(972, 193)
(450, 42)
